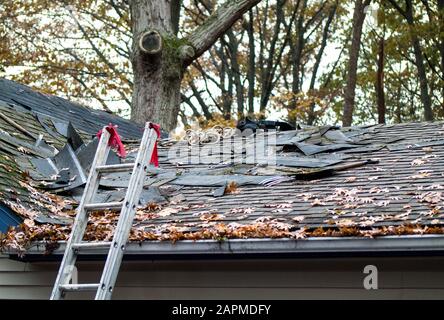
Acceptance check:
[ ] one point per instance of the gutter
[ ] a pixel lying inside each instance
(260, 248)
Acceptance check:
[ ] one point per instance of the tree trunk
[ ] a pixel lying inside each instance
(157, 77)
(267, 79)
(441, 30)
(296, 52)
(158, 73)
(419, 59)
(233, 45)
(251, 63)
(349, 91)
(379, 85)
(441, 42)
(424, 88)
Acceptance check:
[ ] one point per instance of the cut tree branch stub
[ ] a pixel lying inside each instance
(151, 42)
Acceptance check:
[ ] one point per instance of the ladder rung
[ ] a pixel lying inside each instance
(80, 287)
(103, 206)
(115, 167)
(91, 245)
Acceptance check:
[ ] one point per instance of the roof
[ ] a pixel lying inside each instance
(61, 110)
(326, 182)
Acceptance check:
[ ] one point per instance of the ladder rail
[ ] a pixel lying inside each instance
(78, 228)
(124, 224)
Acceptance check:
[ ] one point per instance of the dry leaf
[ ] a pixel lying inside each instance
(298, 219)
(167, 212)
(366, 200)
(420, 175)
(317, 202)
(418, 162)
(23, 150)
(231, 187)
(382, 203)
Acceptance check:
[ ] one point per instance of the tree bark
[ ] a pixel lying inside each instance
(296, 49)
(233, 45)
(267, 78)
(419, 59)
(350, 89)
(424, 88)
(379, 85)
(441, 42)
(157, 78)
(441, 29)
(251, 63)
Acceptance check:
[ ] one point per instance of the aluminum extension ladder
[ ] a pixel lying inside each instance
(127, 208)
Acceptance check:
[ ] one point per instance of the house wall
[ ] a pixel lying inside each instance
(339, 278)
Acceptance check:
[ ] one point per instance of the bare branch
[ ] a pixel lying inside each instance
(204, 36)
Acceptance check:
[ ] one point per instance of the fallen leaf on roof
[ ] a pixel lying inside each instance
(420, 175)
(431, 212)
(345, 222)
(382, 203)
(197, 206)
(366, 223)
(351, 206)
(152, 206)
(367, 200)
(299, 234)
(167, 212)
(231, 187)
(432, 197)
(264, 219)
(317, 202)
(242, 210)
(376, 190)
(298, 219)
(350, 179)
(418, 162)
(23, 150)
(306, 196)
(427, 149)
(211, 217)
(435, 221)
(177, 198)
(435, 186)
(372, 178)
(403, 216)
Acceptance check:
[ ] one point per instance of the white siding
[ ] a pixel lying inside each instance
(402, 278)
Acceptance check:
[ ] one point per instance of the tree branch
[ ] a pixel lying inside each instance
(204, 36)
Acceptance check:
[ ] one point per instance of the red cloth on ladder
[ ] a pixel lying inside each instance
(114, 140)
(155, 157)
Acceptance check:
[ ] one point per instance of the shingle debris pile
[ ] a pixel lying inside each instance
(325, 181)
